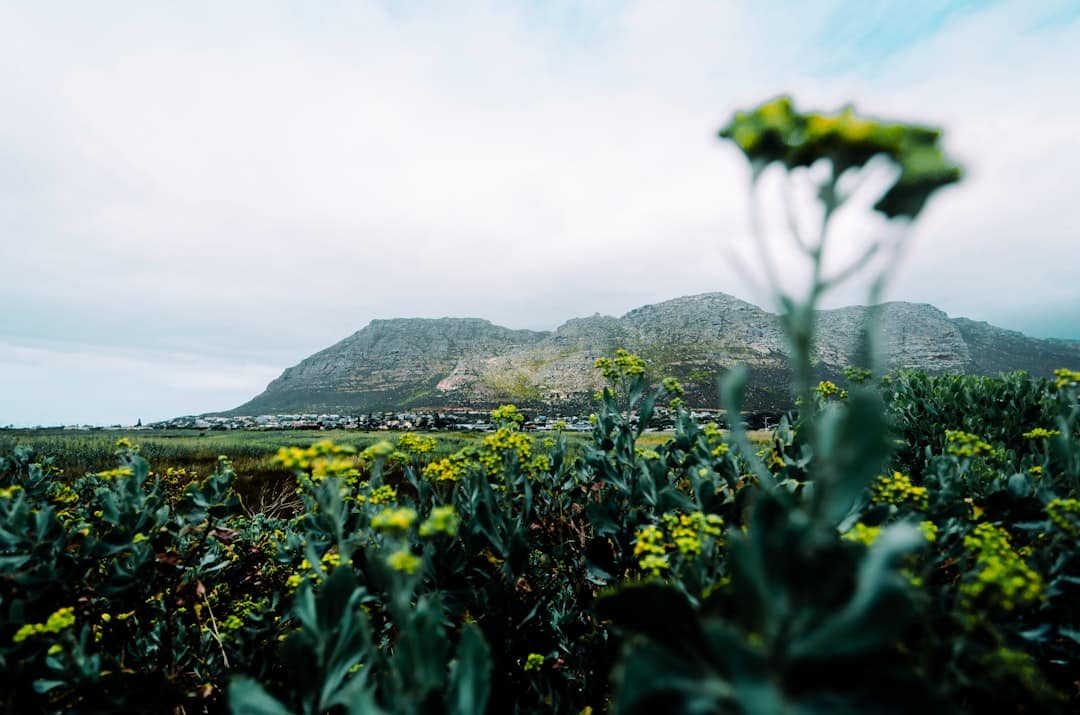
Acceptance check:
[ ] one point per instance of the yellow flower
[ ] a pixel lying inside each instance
(447, 469)
(1066, 378)
(1000, 576)
(827, 388)
(623, 365)
(404, 561)
(56, 622)
(380, 450)
(507, 416)
(394, 520)
(416, 444)
(9, 492)
(654, 564)
(962, 444)
(1065, 513)
(114, 473)
(863, 534)
(1041, 433)
(382, 495)
(535, 661)
(505, 442)
(899, 491)
(443, 520)
(929, 530)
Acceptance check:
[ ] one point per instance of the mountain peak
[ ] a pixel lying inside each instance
(403, 363)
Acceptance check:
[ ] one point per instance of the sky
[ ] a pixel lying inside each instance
(194, 196)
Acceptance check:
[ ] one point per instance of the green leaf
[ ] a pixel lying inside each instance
(247, 697)
(470, 677)
(851, 446)
(878, 610)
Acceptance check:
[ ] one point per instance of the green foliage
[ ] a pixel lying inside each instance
(690, 573)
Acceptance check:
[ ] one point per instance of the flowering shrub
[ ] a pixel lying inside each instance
(124, 591)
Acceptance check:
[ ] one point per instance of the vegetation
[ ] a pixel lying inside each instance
(251, 453)
(887, 551)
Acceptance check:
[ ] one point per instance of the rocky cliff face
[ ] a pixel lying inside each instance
(468, 362)
(387, 364)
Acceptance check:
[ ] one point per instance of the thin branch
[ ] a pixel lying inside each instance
(854, 268)
(792, 222)
(830, 202)
(872, 327)
(214, 630)
(760, 241)
(860, 181)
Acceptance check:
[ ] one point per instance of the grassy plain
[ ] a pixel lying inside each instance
(251, 451)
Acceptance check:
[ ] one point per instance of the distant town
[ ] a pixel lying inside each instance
(456, 421)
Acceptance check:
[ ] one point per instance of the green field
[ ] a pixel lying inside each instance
(251, 451)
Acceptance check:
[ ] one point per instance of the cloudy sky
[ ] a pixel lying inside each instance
(194, 196)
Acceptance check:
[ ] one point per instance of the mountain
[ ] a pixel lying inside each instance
(413, 363)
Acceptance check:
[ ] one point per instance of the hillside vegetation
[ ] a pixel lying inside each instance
(465, 362)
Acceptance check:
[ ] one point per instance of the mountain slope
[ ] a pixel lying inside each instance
(469, 362)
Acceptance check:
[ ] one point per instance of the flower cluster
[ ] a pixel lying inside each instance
(624, 364)
(329, 561)
(963, 444)
(686, 534)
(384, 494)
(507, 416)
(1041, 433)
(125, 446)
(1066, 378)
(411, 443)
(380, 450)
(827, 388)
(863, 534)
(322, 459)
(447, 469)
(56, 622)
(714, 437)
(1000, 577)
(394, 521)
(650, 551)
(899, 491)
(442, 520)
(535, 661)
(775, 132)
(119, 472)
(61, 493)
(1065, 513)
(404, 561)
(501, 444)
(685, 531)
(672, 387)
(929, 530)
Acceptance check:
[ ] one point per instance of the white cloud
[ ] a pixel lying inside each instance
(255, 184)
(117, 385)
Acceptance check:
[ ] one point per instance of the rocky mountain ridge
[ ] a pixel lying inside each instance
(412, 363)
